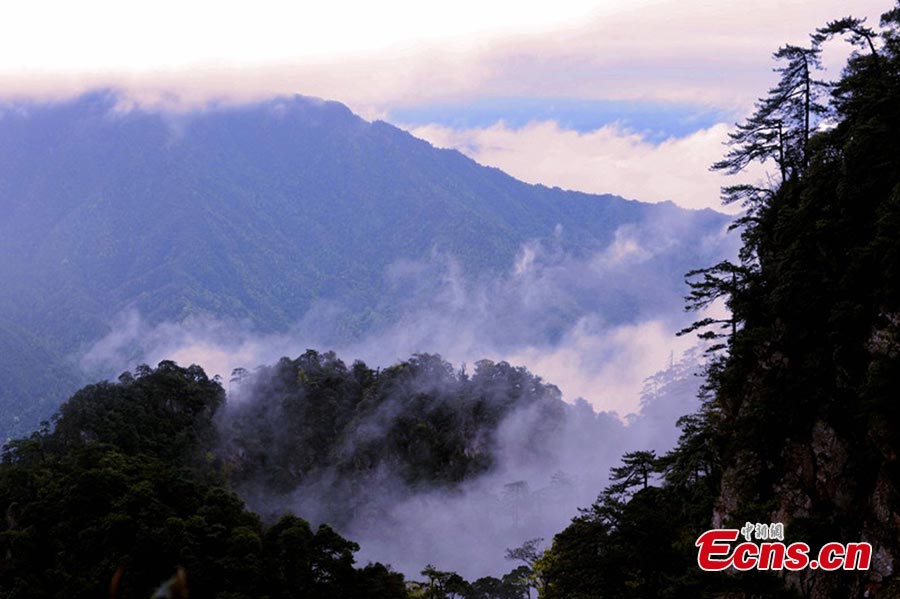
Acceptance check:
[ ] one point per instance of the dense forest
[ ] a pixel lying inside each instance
(124, 489)
(799, 422)
(435, 423)
(137, 481)
(134, 480)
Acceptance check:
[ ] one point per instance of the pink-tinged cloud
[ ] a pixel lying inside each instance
(713, 52)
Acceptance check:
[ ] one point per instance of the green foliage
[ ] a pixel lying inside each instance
(439, 584)
(166, 413)
(133, 480)
(780, 128)
(637, 539)
(124, 483)
(800, 402)
(420, 421)
(822, 288)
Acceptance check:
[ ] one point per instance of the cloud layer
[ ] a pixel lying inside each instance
(713, 56)
(713, 53)
(594, 323)
(609, 159)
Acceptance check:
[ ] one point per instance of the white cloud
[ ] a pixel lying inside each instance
(374, 56)
(552, 311)
(511, 316)
(607, 366)
(103, 35)
(607, 160)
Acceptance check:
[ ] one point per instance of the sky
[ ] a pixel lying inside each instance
(629, 97)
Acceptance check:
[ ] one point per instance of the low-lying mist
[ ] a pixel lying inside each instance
(598, 323)
(594, 321)
(423, 463)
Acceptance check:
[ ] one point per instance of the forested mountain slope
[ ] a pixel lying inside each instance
(255, 212)
(137, 478)
(126, 489)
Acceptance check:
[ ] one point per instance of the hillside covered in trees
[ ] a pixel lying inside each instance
(126, 488)
(799, 422)
(157, 471)
(800, 419)
(138, 476)
(261, 213)
(152, 472)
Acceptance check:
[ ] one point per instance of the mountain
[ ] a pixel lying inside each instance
(256, 212)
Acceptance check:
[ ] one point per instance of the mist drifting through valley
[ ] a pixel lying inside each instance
(625, 383)
(450, 301)
(294, 224)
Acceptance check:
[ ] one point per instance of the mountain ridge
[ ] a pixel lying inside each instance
(259, 211)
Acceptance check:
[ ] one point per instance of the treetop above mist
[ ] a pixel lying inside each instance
(138, 473)
(423, 420)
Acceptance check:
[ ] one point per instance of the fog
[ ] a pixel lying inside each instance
(534, 492)
(600, 325)
(596, 323)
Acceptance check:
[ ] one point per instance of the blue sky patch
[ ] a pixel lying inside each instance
(657, 121)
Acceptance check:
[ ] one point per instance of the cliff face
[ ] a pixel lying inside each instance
(804, 401)
(805, 409)
(819, 483)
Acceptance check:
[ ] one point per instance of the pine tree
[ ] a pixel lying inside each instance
(780, 128)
